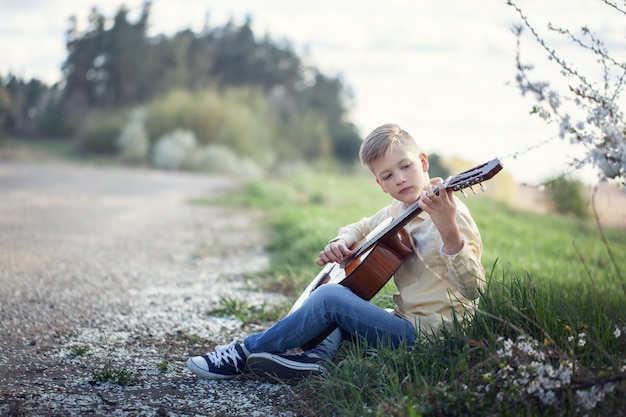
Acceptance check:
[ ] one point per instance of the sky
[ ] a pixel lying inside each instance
(444, 70)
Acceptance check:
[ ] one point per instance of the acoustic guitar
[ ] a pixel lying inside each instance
(378, 256)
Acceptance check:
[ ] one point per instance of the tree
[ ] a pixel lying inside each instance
(7, 112)
(124, 56)
(113, 65)
(25, 100)
(82, 71)
(594, 117)
(106, 67)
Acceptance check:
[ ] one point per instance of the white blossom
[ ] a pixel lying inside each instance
(603, 133)
(589, 398)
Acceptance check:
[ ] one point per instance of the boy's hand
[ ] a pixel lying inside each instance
(335, 251)
(442, 211)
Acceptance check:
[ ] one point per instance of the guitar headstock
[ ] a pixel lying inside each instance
(473, 176)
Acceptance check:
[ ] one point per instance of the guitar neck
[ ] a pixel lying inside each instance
(465, 179)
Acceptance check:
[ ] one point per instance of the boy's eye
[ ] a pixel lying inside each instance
(386, 176)
(406, 166)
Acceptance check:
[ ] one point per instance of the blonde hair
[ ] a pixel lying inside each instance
(383, 140)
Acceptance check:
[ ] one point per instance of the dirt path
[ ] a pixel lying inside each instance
(107, 273)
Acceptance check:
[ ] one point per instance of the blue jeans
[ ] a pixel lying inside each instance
(333, 304)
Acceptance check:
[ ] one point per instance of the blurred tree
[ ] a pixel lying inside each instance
(7, 111)
(436, 167)
(27, 99)
(174, 63)
(123, 60)
(106, 67)
(235, 57)
(112, 65)
(328, 96)
(83, 74)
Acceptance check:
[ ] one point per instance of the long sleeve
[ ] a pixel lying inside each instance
(464, 269)
(433, 286)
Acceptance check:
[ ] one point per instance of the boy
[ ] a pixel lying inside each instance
(436, 283)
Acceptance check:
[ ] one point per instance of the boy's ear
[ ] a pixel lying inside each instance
(424, 159)
(381, 186)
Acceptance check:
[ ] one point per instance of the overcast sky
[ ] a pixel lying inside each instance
(441, 69)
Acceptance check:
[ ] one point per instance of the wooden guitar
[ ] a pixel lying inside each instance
(379, 255)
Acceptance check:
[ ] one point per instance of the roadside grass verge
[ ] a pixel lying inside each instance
(550, 337)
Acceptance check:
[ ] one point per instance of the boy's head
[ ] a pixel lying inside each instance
(383, 140)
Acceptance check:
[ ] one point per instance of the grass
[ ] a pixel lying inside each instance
(79, 351)
(163, 366)
(247, 313)
(122, 377)
(550, 338)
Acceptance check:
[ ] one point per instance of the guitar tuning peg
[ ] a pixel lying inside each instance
(473, 190)
(482, 187)
(463, 193)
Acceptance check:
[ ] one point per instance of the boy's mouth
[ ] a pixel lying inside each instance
(405, 190)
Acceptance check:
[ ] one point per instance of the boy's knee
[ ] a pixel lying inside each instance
(329, 292)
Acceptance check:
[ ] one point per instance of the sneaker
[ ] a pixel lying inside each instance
(228, 361)
(284, 366)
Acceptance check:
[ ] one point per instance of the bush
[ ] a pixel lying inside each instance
(55, 124)
(99, 132)
(247, 134)
(236, 118)
(175, 150)
(220, 159)
(566, 198)
(200, 113)
(134, 143)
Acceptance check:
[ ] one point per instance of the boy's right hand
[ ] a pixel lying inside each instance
(335, 251)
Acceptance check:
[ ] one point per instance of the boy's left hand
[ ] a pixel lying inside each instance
(442, 210)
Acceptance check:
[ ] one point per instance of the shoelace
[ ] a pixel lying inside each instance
(224, 354)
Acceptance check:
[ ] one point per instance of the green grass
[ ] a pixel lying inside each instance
(547, 339)
(122, 377)
(302, 215)
(247, 313)
(79, 351)
(552, 249)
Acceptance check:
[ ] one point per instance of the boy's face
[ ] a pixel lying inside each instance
(402, 174)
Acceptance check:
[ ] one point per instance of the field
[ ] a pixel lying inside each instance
(550, 338)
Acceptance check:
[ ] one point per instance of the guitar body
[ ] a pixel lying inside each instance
(368, 273)
(365, 275)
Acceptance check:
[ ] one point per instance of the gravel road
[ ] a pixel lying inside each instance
(106, 277)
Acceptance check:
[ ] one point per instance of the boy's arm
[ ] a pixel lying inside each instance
(442, 210)
(462, 246)
(339, 248)
(464, 268)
